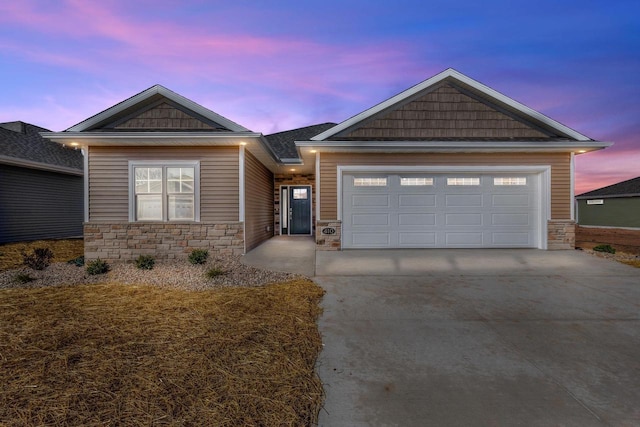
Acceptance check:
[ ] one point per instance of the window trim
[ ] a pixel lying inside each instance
(195, 164)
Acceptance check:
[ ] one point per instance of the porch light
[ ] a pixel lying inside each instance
(74, 144)
(582, 151)
(292, 170)
(314, 151)
(243, 143)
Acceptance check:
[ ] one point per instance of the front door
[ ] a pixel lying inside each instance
(299, 210)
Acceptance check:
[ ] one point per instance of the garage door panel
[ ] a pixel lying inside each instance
(463, 219)
(463, 200)
(413, 219)
(416, 200)
(510, 239)
(514, 219)
(425, 239)
(368, 239)
(463, 238)
(441, 215)
(514, 200)
(371, 201)
(370, 219)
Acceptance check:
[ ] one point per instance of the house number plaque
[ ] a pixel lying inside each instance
(329, 230)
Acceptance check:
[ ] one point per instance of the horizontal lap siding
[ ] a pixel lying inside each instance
(109, 179)
(37, 204)
(258, 202)
(560, 172)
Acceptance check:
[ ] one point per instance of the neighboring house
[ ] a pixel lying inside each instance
(42, 186)
(616, 205)
(448, 163)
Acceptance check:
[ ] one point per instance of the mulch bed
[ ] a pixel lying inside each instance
(63, 250)
(113, 354)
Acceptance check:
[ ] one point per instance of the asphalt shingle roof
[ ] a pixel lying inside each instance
(282, 143)
(624, 188)
(22, 141)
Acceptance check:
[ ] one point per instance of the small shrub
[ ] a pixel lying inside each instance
(23, 278)
(97, 266)
(198, 256)
(605, 248)
(145, 262)
(78, 262)
(215, 272)
(39, 259)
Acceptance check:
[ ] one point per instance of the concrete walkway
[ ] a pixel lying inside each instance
(473, 337)
(293, 254)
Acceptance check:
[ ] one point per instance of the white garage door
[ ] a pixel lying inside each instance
(455, 210)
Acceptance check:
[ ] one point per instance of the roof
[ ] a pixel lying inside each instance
(150, 98)
(628, 188)
(465, 83)
(283, 143)
(22, 145)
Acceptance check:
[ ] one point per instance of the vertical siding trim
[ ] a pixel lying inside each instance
(572, 167)
(317, 187)
(85, 161)
(241, 192)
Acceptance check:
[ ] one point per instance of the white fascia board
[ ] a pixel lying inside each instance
(456, 75)
(150, 138)
(148, 93)
(453, 146)
(14, 161)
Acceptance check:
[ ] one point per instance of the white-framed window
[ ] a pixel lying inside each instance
(415, 181)
(463, 181)
(300, 194)
(595, 202)
(510, 180)
(164, 191)
(369, 182)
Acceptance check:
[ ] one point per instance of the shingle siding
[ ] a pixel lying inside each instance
(37, 204)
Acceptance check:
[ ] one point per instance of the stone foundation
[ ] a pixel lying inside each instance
(126, 241)
(561, 234)
(328, 242)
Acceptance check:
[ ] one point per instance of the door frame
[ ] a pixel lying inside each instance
(285, 218)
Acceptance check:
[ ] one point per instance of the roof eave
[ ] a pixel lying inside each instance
(15, 161)
(453, 146)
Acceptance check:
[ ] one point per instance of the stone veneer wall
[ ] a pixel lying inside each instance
(328, 242)
(125, 241)
(561, 234)
(292, 179)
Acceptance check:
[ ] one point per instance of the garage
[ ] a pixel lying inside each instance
(454, 209)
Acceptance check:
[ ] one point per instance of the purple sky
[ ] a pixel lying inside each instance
(277, 65)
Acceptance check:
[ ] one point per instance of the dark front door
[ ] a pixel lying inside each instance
(300, 210)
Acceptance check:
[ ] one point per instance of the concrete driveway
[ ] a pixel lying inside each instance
(479, 338)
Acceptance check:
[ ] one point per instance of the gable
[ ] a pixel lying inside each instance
(162, 115)
(442, 112)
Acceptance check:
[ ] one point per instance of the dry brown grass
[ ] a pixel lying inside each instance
(634, 263)
(98, 355)
(63, 250)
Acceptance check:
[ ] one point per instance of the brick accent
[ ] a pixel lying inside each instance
(623, 239)
(328, 242)
(561, 234)
(292, 179)
(124, 241)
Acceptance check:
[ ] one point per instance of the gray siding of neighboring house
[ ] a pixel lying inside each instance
(36, 204)
(614, 212)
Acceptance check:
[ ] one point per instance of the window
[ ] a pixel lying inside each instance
(415, 181)
(595, 202)
(510, 181)
(164, 191)
(463, 181)
(300, 194)
(369, 182)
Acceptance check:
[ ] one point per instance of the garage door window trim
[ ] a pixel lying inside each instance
(466, 181)
(369, 182)
(415, 181)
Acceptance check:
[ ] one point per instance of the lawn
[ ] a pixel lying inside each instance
(112, 354)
